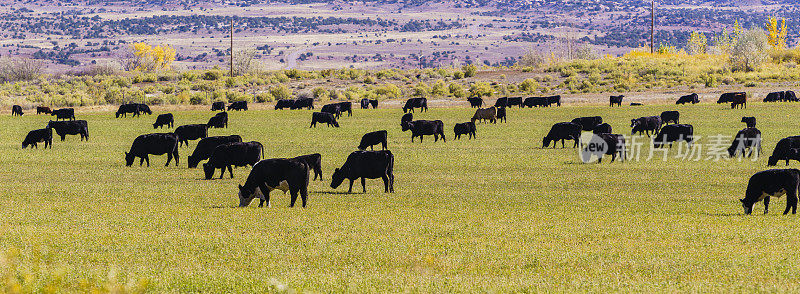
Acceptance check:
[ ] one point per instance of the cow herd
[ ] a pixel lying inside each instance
(292, 174)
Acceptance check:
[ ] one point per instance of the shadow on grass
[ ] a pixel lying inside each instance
(220, 206)
(332, 193)
(722, 214)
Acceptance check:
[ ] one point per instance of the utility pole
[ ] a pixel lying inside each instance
(652, 27)
(231, 46)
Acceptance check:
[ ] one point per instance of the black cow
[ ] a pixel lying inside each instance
(501, 114)
(205, 147)
(374, 103)
(588, 123)
(670, 116)
(420, 128)
(333, 108)
(284, 103)
(408, 117)
(603, 128)
(501, 102)
(143, 108)
(646, 125)
(691, 98)
(346, 107)
(303, 103)
(323, 118)
(365, 103)
(238, 105)
(191, 132)
(739, 101)
(467, 128)
(636, 104)
(514, 101)
(16, 110)
(562, 131)
(372, 139)
(233, 154)
(615, 144)
(412, 103)
(772, 183)
(75, 127)
(616, 100)
(475, 102)
(784, 150)
(674, 133)
(531, 102)
(775, 97)
(750, 121)
(165, 119)
(749, 138)
(314, 162)
(554, 100)
(219, 120)
(124, 109)
(155, 144)
(270, 174)
(43, 109)
(219, 105)
(41, 135)
(64, 113)
(366, 165)
(729, 97)
(791, 97)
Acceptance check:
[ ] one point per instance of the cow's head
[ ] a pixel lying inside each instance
(246, 195)
(208, 170)
(732, 150)
(155, 126)
(748, 207)
(337, 178)
(193, 161)
(118, 114)
(634, 122)
(406, 125)
(545, 142)
(772, 161)
(129, 157)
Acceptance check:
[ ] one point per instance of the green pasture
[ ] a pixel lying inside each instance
(496, 214)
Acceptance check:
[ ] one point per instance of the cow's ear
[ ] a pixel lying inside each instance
(240, 187)
(336, 169)
(742, 200)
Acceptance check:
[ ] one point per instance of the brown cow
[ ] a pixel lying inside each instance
(482, 114)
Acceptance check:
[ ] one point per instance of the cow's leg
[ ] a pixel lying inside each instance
(222, 169)
(791, 200)
(293, 191)
(169, 158)
(766, 204)
(303, 193)
(562, 143)
(364, 185)
(230, 171)
(350, 190)
(264, 191)
(147, 158)
(385, 179)
(63, 137)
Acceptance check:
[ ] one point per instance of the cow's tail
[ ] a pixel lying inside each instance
(262, 149)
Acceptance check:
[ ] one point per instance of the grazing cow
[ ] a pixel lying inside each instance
(514, 101)
(615, 144)
(219, 105)
(636, 104)
(165, 119)
(531, 102)
(303, 103)
(475, 102)
(420, 128)
(205, 147)
(467, 128)
(124, 109)
(42, 109)
(16, 110)
(603, 128)
(284, 103)
(191, 132)
(674, 133)
(646, 125)
(554, 100)
(501, 114)
(346, 107)
(746, 139)
(366, 165)
(41, 135)
(729, 97)
(791, 97)
(365, 103)
(64, 113)
(372, 139)
(238, 105)
(323, 118)
(314, 162)
(406, 118)
(74, 127)
(784, 150)
(374, 103)
(333, 108)
(588, 123)
(739, 100)
(691, 98)
(772, 183)
(775, 97)
(750, 121)
(143, 108)
(670, 116)
(562, 131)
(616, 100)
(501, 102)
(233, 154)
(270, 174)
(482, 114)
(219, 120)
(412, 103)
(155, 144)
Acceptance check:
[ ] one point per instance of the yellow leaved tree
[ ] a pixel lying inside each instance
(776, 33)
(145, 57)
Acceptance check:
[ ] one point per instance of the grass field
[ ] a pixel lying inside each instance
(493, 214)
